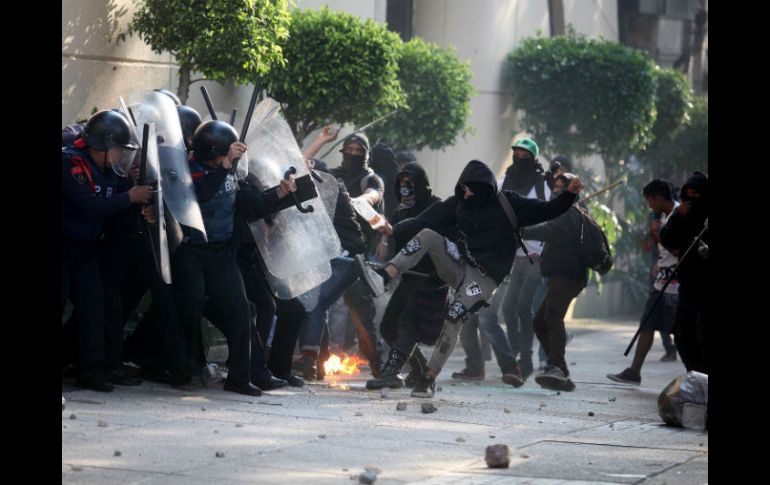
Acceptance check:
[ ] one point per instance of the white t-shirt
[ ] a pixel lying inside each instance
(666, 261)
(532, 246)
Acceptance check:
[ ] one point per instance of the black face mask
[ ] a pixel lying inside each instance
(407, 195)
(518, 175)
(524, 162)
(352, 163)
(481, 194)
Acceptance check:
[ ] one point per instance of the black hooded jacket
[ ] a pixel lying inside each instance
(424, 198)
(483, 234)
(680, 231)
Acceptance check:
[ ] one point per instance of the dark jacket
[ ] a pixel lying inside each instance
(346, 223)
(483, 234)
(89, 195)
(356, 184)
(680, 231)
(425, 296)
(561, 254)
(424, 198)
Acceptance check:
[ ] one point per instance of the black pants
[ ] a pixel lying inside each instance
(257, 289)
(211, 270)
(549, 321)
(290, 315)
(690, 333)
(82, 283)
(157, 343)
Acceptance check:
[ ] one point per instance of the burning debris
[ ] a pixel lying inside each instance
(343, 364)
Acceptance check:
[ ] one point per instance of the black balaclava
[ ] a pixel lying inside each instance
(699, 182)
(418, 190)
(353, 164)
(482, 192)
(521, 175)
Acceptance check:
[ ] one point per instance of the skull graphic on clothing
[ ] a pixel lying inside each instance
(456, 310)
(412, 247)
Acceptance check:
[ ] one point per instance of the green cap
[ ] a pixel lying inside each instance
(527, 144)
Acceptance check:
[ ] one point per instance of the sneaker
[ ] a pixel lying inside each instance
(426, 388)
(306, 366)
(526, 368)
(513, 376)
(380, 270)
(628, 376)
(669, 356)
(554, 378)
(469, 375)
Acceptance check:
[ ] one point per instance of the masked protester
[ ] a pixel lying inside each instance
(94, 186)
(415, 312)
(684, 225)
(471, 241)
(363, 184)
(514, 351)
(567, 276)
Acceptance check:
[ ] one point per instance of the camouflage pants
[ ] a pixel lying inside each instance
(472, 288)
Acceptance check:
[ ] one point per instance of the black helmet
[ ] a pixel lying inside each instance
(212, 139)
(108, 128)
(190, 120)
(171, 95)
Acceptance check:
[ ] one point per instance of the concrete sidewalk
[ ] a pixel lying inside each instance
(323, 435)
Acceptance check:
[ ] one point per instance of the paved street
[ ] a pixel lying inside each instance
(322, 435)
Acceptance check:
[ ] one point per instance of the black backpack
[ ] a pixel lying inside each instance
(595, 250)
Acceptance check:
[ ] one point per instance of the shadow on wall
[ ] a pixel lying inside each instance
(86, 30)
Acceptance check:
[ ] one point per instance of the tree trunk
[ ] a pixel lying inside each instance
(184, 83)
(701, 27)
(556, 17)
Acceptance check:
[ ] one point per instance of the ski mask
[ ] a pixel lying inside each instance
(352, 163)
(481, 194)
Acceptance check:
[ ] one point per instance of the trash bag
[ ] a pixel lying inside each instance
(684, 402)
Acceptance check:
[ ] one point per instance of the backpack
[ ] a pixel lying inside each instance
(595, 250)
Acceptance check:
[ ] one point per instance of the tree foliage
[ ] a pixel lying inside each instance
(438, 90)
(235, 40)
(339, 69)
(583, 96)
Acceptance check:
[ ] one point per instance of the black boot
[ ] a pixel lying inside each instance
(388, 377)
(419, 363)
(426, 387)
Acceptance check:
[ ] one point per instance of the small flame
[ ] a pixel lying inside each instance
(343, 364)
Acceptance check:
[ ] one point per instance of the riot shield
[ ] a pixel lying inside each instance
(178, 189)
(297, 247)
(158, 239)
(328, 190)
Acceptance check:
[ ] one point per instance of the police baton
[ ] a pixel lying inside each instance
(207, 99)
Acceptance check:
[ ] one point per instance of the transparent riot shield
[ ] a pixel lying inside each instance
(297, 247)
(178, 189)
